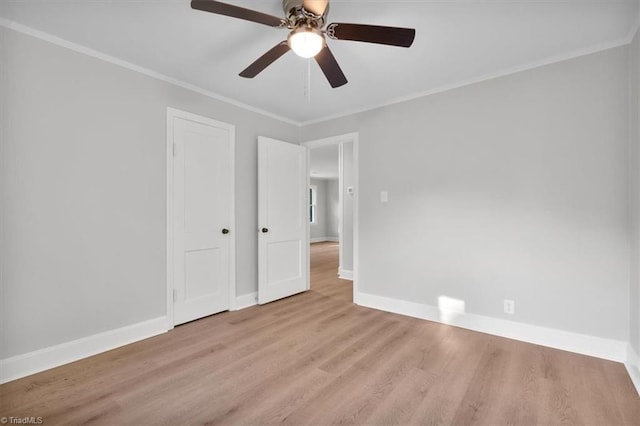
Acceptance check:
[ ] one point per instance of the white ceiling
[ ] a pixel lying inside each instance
(324, 162)
(456, 41)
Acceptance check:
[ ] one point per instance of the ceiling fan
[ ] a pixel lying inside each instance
(305, 19)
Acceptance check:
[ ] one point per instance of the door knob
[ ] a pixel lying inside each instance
(225, 231)
(265, 230)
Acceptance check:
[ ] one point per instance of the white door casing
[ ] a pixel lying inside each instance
(200, 216)
(283, 234)
(340, 140)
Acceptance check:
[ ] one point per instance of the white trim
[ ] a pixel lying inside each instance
(332, 140)
(246, 301)
(173, 113)
(341, 214)
(43, 359)
(614, 350)
(233, 287)
(635, 27)
(339, 140)
(356, 215)
(633, 367)
(170, 224)
(474, 80)
(307, 230)
(12, 25)
(323, 239)
(345, 274)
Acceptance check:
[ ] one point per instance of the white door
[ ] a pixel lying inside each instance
(203, 200)
(283, 248)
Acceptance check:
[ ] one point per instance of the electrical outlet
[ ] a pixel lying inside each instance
(509, 307)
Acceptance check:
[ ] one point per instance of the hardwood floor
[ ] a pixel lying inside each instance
(315, 358)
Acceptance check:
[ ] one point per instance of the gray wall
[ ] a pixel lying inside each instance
(333, 208)
(634, 188)
(319, 228)
(83, 192)
(511, 188)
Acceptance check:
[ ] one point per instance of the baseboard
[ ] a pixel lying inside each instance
(246, 300)
(54, 356)
(323, 239)
(614, 350)
(633, 367)
(43, 359)
(345, 274)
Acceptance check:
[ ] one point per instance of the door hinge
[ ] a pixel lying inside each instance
(175, 295)
(173, 147)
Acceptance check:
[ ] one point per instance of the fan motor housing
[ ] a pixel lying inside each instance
(297, 15)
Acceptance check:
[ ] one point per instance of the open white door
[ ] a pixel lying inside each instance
(202, 214)
(283, 242)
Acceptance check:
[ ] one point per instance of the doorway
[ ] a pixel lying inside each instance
(332, 212)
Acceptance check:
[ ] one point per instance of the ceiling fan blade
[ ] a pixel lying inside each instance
(392, 36)
(317, 7)
(330, 68)
(265, 60)
(236, 12)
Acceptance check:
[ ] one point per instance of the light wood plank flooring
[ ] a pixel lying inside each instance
(315, 358)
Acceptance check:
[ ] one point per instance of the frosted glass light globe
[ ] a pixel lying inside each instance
(306, 42)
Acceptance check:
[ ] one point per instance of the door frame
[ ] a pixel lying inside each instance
(173, 113)
(339, 140)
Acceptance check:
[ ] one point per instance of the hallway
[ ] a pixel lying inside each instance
(324, 272)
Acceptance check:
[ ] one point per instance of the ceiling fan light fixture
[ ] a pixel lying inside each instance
(305, 20)
(306, 41)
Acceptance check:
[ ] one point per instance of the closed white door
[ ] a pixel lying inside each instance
(203, 200)
(283, 242)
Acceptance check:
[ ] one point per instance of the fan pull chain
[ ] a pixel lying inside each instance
(309, 81)
(306, 82)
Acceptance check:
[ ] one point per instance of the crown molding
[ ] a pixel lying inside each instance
(635, 27)
(445, 88)
(502, 73)
(136, 68)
